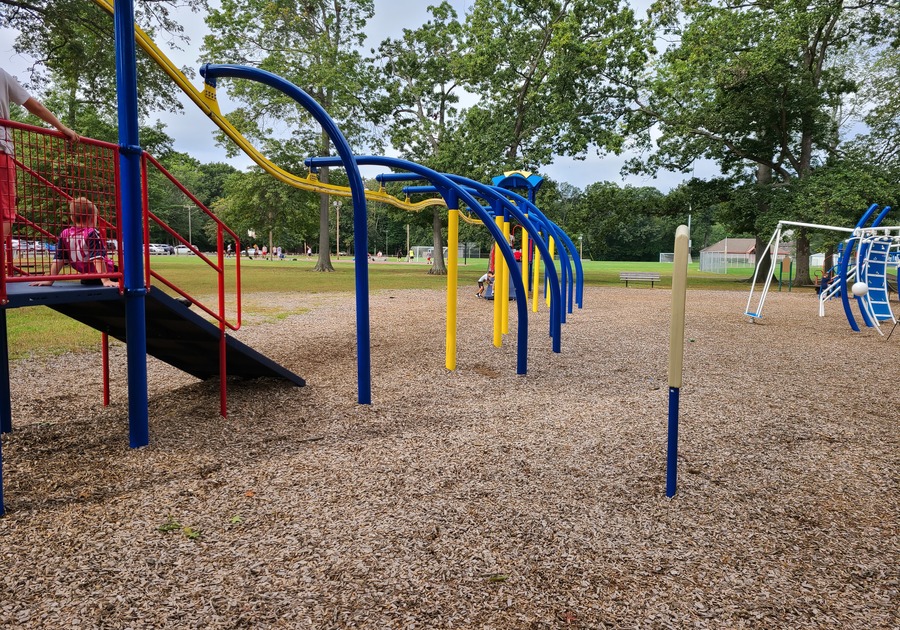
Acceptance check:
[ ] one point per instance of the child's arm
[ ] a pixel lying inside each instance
(100, 267)
(55, 267)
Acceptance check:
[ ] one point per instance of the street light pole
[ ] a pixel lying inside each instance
(190, 232)
(337, 229)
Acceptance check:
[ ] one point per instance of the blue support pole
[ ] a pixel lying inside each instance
(5, 394)
(672, 450)
(357, 194)
(132, 246)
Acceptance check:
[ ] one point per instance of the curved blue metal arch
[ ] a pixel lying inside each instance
(492, 194)
(567, 254)
(562, 237)
(360, 225)
(443, 183)
(844, 266)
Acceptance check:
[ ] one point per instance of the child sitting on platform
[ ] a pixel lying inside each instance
(81, 246)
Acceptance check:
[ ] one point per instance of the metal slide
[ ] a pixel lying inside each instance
(175, 333)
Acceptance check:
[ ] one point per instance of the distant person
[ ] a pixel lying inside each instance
(12, 92)
(308, 251)
(81, 246)
(228, 251)
(265, 252)
(483, 282)
(518, 255)
(412, 255)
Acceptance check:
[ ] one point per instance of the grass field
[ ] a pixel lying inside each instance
(39, 331)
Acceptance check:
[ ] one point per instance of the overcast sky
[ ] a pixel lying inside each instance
(193, 131)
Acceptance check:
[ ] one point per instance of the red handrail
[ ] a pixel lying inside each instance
(50, 172)
(217, 266)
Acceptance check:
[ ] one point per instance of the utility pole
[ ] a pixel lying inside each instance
(337, 229)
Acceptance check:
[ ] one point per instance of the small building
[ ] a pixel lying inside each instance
(731, 253)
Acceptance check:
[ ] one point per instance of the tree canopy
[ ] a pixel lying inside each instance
(792, 99)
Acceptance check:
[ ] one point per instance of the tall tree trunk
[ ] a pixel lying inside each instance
(802, 253)
(801, 259)
(324, 261)
(438, 267)
(763, 262)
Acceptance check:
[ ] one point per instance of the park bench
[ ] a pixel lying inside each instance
(639, 276)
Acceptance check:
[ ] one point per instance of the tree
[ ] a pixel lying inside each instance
(276, 213)
(542, 70)
(619, 223)
(754, 86)
(881, 143)
(418, 101)
(314, 45)
(72, 44)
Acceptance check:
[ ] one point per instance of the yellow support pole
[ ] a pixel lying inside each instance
(552, 257)
(524, 251)
(499, 264)
(452, 284)
(536, 279)
(506, 279)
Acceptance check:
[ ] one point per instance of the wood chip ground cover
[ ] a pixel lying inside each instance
(469, 499)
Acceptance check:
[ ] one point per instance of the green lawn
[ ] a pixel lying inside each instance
(39, 331)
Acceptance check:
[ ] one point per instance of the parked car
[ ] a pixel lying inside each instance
(162, 248)
(22, 247)
(183, 250)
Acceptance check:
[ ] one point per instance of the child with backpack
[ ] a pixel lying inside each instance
(81, 246)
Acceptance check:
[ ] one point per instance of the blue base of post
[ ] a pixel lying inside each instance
(2, 505)
(136, 357)
(672, 453)
(5, 394)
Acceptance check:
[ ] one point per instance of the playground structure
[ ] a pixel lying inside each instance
(860, 274)
(139, 323)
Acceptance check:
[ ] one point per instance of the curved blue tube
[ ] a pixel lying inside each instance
(844, 268)
(360, 224)
(562, 238)
(492, 193)
(442, 182)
